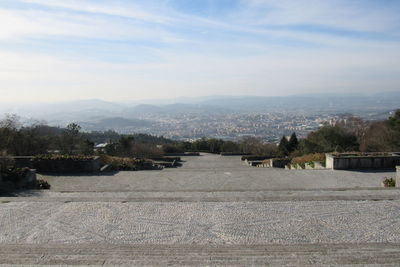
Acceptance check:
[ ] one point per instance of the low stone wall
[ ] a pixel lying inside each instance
(22, 161)
(365, 161)
(182, 154)
(254, 158)
(274, 163)
(166, 164)
(279, 163)
(314, 165)
(233, 154)
(67, 165)
(169, 159)
(398, 176)
(26, 182)
(254, 163)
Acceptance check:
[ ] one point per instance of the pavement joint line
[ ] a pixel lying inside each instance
(216, 191)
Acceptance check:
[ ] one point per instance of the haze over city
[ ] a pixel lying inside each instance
(130, 50)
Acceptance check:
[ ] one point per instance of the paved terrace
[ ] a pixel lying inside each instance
(213, 211)
(218, 173)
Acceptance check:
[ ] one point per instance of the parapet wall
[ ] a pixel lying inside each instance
(362, 161)
(68, 165)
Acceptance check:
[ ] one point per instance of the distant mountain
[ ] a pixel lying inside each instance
(331, 103)
(174, 109)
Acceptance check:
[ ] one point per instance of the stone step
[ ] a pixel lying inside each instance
(204, 196)
(199, 255)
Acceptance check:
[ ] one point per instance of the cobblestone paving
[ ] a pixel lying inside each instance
(214, 211)
(216, 173)
(206, 196)
(201, 223)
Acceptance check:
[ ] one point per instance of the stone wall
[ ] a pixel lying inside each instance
(181, 154)
(398, 176)
(364, 161)
(21, 161)
(28, 181)
(255, 158)
(314, 165)
(272, 163)
(233, 154)
(67, 166)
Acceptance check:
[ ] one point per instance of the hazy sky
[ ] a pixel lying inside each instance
(127, 50)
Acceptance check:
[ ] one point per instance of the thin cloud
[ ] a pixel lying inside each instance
(129, 9)
(142, 49)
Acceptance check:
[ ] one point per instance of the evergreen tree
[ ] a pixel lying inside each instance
(284, 146)
(293, 143)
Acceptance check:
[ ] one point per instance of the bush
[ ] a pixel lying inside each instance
(62, 157)
(172, 149)
(6, 162)
(309, 158)
(15, 175)
(42, 184)
(389, 182)
(125, 164)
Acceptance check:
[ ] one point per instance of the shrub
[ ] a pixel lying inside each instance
(15, 175)
(389, 182)
(6, 162)
(172, 149)
(62, 157)
(309, 158)
(125, 164)
(42, 184)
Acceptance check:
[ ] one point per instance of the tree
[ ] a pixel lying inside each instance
(284, 146)
(169, 148)
(293, 143)
(394, 121)
(355, 125)
(70, 139)
(256, 146)
(394, 125)
(229, 146)
(383, 135)
(378, 138)
(329, 139)
(9, 127)
(126, 145)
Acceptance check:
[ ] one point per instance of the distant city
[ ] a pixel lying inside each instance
(227, 118)
(189, 127)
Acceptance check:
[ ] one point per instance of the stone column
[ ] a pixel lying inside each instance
(398, 176)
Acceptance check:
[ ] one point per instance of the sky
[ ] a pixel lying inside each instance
(125, 50)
